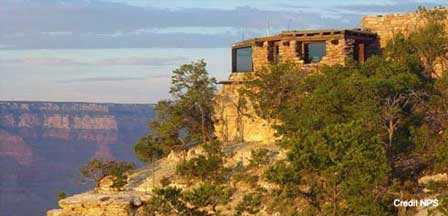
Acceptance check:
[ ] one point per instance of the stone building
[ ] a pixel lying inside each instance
(310, 49)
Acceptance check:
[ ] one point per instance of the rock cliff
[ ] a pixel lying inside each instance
(43, 144)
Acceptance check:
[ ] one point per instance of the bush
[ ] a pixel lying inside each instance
(148, 149)
(95, 170)
(281, 174)
(168, 201)
(200, 167)
(61, 195)
(208, 195)
(165, 181)
(260, 157)
(251, 204)
(205, 167)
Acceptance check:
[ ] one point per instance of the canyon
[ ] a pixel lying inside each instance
(43, 144)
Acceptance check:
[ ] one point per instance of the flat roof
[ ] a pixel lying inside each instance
(311, 35)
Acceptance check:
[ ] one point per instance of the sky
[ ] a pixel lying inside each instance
(123, 51)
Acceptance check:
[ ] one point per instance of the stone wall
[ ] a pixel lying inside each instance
(337, 52)
(260, 55)
(288, 52)
(386, 26)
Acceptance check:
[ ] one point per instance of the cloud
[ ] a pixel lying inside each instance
(91, 24)
(142, 61)
(5, 46)
(54, 61)
(112, 79)
(391, 7)
(76, 24)
(101, 79)
(42, 61)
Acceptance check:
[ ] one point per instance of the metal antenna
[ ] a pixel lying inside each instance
(289, 24)
(268, 27)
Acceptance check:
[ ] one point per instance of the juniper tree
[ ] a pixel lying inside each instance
(183, 119)
(95, 170)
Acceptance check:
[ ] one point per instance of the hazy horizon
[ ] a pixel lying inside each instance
(99, 75)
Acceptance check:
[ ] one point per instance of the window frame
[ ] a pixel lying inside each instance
(305, 51)
(235, 57)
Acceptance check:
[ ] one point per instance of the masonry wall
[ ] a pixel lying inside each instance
(386, 26)
(337, 52)
(260, 55)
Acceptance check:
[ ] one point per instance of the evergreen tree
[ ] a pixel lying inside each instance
(186, 118)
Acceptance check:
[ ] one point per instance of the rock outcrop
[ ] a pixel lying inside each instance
(107, 202)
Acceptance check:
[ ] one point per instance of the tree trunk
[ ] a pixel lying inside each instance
(391, 132)
(153, 173)
(204, 138)
(335, 201)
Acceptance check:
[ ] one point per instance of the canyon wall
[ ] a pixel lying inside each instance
(43, 144)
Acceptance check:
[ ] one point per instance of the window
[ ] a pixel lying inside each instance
(359, 51)
(274, 53)
(314, 52)
(242, 60)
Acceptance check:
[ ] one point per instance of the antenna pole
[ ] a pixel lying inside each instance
(268, 27)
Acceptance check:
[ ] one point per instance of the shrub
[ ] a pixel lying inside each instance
(260, 157)
(95, 170)
(61, 195)
(251, 203)
(208, 194)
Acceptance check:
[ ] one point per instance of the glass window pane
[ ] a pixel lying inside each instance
(315, 51)
(244, 59)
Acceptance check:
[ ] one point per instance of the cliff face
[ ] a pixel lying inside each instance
(43, 144)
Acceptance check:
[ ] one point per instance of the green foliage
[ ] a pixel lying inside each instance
(350, 129)
(260, 157)
(193, 91)
(173, 201)
(148, 149)
(208, 167)
(61, 195)
(168, 201)
(339, 163)
(357, 135)
(426, 45)
(282, 174)
(184, 119)
(199, 167)
(270, 97)
(440, 191)
(250, 204)
(208, 195)
(95, 170)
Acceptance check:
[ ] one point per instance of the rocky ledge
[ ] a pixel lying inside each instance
(93, 203)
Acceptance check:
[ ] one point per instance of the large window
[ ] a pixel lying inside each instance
(314, 52)
(242, 60)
